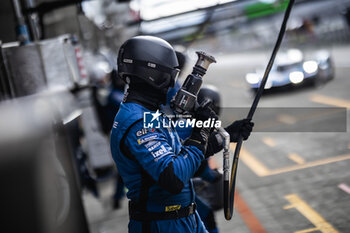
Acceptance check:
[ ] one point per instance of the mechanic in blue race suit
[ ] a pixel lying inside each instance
(210, 179)
(207, 206)
(108, 92)
(155, 165)
(204, 209)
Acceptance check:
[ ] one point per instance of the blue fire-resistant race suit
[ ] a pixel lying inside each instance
(157, 170)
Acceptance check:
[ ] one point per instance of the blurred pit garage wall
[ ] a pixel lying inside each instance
(38, 137)
(41, 85)
(45, 108)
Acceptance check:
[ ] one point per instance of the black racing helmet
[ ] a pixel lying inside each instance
(212, 93)
(150, 59)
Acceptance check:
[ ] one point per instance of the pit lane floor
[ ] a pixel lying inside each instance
(287, 181)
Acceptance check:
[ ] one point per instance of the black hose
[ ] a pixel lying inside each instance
(229, 187)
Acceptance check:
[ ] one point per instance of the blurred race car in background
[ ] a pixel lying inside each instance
(292, 69)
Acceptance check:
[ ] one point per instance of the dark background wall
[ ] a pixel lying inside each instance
(7, 23)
